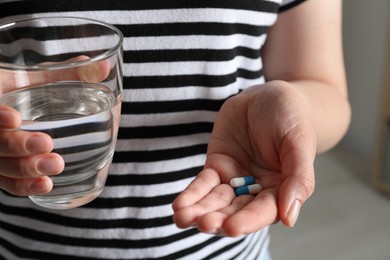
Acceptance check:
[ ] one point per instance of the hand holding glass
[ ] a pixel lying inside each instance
(64, 76)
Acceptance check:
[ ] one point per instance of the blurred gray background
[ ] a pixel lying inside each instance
(347, 218)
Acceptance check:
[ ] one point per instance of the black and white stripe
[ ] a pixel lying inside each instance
(182, 60)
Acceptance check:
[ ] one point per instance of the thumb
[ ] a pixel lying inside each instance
(294, 191)
(299, 182)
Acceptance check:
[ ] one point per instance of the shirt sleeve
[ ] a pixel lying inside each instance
(288, 4)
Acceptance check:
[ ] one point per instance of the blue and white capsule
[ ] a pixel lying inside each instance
(242, 181)
(249, 189)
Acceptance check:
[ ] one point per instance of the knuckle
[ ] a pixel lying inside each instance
(308, 184)
(27, 167)
(20, 168)
(15, 186)
(11, 143)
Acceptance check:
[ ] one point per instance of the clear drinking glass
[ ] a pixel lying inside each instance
(64, 76)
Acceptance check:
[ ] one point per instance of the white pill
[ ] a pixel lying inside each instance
(242, 181)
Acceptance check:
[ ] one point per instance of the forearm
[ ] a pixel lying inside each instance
(328, 109)
(304, 48)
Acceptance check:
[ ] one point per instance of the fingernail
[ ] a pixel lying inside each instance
(50, 165)
(293, 213)
(220, 232)
(40, 186)
(37, 144)
(212, 232)
(90, 73)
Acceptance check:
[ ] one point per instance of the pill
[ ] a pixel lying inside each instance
(250, 189)
(242, 181)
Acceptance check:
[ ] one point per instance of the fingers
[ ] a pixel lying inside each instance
(25, 157)
(202, 195)
(9, 118)
(94, 72)
(299, 184)
(29, 175)
(220, 197)
(21, 143)
(230, 216)
(26, 187)
(91, 73)
(197, 189)
(32, 166)
(293, 193)
(213, 222)
(214, 208)
(247, 214)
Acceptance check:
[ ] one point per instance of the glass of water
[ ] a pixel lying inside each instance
(64, 76)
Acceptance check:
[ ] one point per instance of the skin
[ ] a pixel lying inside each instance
(273, 131)
(26, 159)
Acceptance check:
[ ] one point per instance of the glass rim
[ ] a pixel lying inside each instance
(64, 65)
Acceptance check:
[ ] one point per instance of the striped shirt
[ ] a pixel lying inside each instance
(182, 60)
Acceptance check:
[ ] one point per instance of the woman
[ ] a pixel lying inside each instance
(213, 90)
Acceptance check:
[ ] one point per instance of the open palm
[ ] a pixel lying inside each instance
(263, 132)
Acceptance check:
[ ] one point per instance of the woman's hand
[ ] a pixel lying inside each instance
(264, 132)
(25, 158)
(273, 131)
